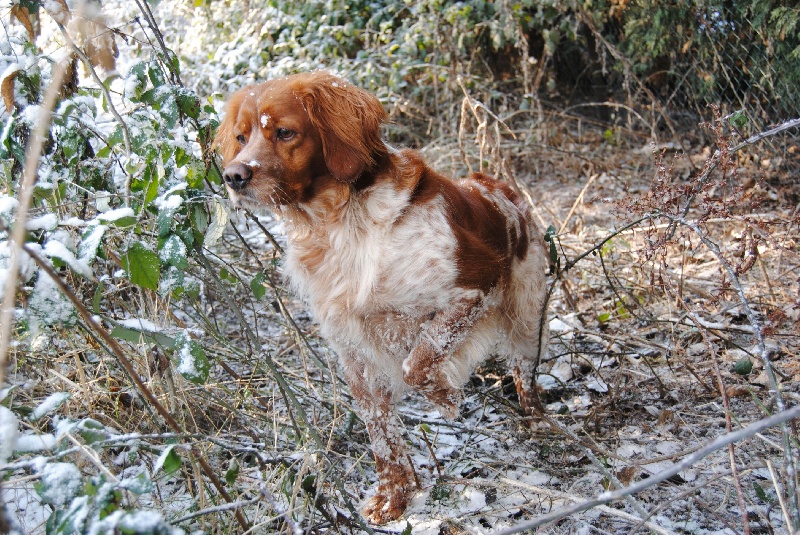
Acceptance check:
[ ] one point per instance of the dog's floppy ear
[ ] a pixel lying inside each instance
(348, 120)
(225, 141)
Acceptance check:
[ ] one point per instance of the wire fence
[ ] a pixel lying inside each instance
(678, 61)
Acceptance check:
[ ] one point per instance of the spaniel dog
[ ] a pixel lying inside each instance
(414, 278)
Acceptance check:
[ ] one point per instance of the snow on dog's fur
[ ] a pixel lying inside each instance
(414, 278)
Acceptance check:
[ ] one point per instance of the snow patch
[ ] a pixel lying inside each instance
(8, 430)
(45, 222)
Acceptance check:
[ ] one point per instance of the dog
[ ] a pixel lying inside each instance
(413, 277)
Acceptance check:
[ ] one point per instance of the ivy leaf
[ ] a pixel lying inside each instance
(143, 265)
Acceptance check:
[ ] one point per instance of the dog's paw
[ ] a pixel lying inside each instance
(448, 401)
(385, 507)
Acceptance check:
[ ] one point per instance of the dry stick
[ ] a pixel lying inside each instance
(118, 352)
(542, 491)
(607, 497)
(578, 199)
(778, 493)
(151, 22)
(688, 492)
(791, 486)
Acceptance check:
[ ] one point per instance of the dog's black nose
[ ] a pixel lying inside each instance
(237, 176)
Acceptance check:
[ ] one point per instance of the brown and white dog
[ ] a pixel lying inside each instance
(414, 278)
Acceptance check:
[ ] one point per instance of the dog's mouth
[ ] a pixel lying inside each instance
(249, 198)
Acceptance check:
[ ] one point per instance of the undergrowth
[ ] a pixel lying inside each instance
(157, 378)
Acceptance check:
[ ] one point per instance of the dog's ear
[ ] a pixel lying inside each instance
(348, 120)
(225, 141)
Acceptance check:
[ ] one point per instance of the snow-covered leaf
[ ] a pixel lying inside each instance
(119, 217)
(91, 240)
(59, 483)
(169, 460)
(140, 484)
(193, 364)
(50, 404)
(8, 430)
(219, 218)
(173, 252)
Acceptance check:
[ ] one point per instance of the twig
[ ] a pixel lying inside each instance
(542, 491)
(608, 497)
(713, 161)
(728, 426)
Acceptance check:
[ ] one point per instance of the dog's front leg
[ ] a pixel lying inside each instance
(440, 338)
(395, 473)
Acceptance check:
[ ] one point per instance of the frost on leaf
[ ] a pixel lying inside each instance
(59, 483)
(91, 240)
(48, 305)
(173, 252)
(193, 364)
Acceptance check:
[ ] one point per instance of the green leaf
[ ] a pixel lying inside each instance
(604, 317)
(142, 265)
(193, 364)
(92, 431)
(233, 471)
(169, 460)
(188, 103)
(135, 336)
(258, 286)
(407, 529)
(172, 252)
(738, 119)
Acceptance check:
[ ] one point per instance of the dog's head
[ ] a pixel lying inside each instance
(286, 140)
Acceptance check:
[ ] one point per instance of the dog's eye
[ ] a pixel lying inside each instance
(284, 134)
(241, 139)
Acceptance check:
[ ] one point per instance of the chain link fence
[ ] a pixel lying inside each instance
(680, 60)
